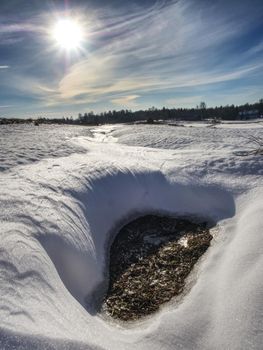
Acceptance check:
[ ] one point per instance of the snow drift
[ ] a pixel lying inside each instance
(112, 199)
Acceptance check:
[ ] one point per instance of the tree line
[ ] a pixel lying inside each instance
(152, 115)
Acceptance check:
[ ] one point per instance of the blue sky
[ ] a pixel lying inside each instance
(135, 54)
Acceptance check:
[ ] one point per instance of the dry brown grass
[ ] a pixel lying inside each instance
(149, 262)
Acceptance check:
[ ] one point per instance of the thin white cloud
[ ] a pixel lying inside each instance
(163, 48)
(172, 45)
(126, 101)
(18, 28)
(4, 67)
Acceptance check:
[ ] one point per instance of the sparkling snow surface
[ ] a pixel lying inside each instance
(63, 191)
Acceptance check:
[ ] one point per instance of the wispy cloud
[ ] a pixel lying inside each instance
(126, 101)
(18, 28)
(133, 52)
(169, 46)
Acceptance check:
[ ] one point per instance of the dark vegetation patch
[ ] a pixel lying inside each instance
(149, 261)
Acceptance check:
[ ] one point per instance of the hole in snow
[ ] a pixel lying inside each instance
(150, 259)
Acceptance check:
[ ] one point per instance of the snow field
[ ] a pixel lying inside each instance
(59, 214)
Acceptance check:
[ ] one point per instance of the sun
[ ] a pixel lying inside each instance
(68, 34)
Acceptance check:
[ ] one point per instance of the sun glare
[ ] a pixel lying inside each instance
(68, 34)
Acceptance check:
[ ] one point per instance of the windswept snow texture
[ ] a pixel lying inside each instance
(23, 144)
(65, 190)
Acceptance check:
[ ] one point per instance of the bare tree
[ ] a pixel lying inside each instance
(202, 105)
(202, 108)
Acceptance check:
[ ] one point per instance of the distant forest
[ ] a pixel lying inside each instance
(154, 115)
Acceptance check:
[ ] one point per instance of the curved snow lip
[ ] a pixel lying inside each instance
(106, 203)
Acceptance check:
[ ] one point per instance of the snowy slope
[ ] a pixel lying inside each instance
(59, 211)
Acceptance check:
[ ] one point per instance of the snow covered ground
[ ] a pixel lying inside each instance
(63, 192)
